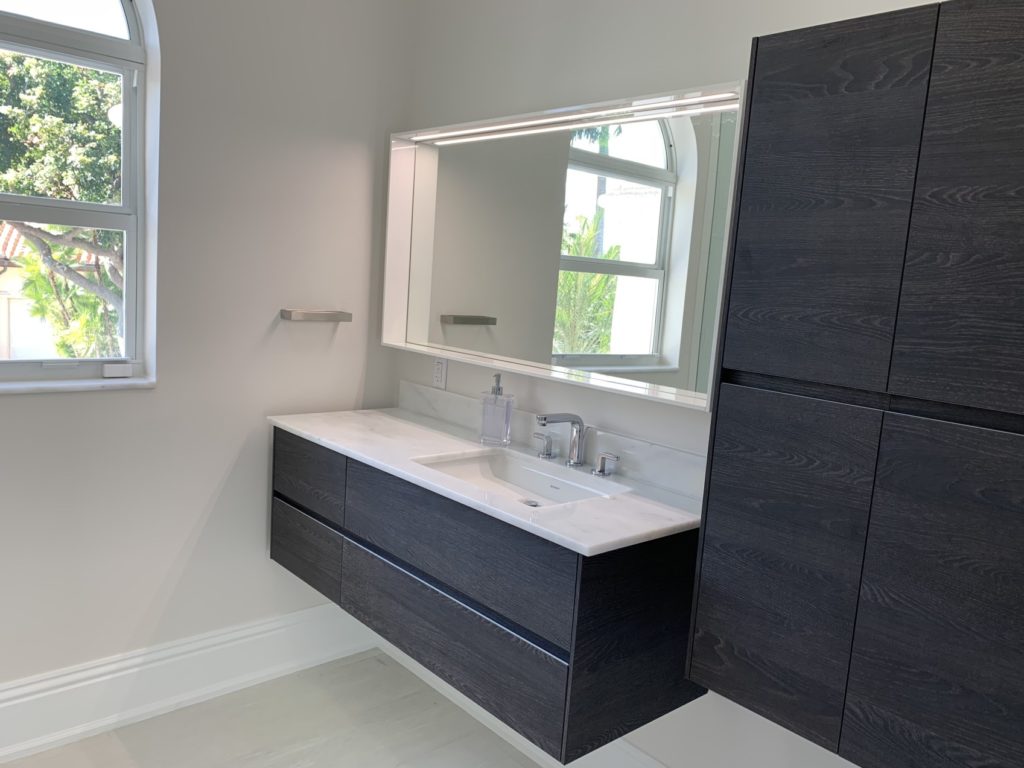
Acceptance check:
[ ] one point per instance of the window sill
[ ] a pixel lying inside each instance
(75, 385)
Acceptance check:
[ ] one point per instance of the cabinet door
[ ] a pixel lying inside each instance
(310, 475)
(834, 130)
(783, 542)
(307, 548)
(937, 679)
(511, 678)
(960, 336)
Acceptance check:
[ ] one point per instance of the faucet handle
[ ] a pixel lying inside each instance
(601, 470)
(546, 452)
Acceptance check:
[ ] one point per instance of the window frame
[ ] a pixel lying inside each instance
(128, 59)
(648, 175)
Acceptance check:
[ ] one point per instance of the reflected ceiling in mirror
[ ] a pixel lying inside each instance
(586, 245)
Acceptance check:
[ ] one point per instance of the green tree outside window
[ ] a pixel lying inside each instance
(586, 300)
(59, 139)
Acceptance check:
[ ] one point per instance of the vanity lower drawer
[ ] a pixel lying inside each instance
(307, 548)
(310, 475)
(522, 577)
(514, 680)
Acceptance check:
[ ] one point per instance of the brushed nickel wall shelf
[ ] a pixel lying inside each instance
(468, 320)
(316, 316)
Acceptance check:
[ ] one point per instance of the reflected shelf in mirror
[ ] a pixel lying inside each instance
(468, 320)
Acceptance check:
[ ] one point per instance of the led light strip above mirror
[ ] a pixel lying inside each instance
(637, 111)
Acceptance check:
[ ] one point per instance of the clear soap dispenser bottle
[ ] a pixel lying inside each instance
(496, 425)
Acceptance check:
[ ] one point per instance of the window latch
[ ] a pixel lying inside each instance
(117, 370)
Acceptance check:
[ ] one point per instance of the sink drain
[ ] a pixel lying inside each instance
(530, 502)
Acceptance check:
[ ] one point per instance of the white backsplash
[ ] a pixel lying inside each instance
(670, 469)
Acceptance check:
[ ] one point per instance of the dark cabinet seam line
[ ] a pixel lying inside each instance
(860, 582)
(913, 197)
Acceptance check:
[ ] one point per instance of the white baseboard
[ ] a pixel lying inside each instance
(618, 754)
(59, 707)
(46, 711)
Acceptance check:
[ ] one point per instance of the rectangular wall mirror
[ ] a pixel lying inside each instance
(583, 244)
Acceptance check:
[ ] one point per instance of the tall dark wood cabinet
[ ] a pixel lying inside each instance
(861, 573)
(832, 143)
(960, 338)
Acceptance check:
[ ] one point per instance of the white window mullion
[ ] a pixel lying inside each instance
(68, 41)
(603, 165)
(610, 267)
(131, 139)
(65, 215)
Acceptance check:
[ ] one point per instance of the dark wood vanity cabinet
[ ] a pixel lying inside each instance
(526, 579)
(937, 677)
(570, 651)
(786, 520)
(960, 335)
(833, 133)
(861, 568)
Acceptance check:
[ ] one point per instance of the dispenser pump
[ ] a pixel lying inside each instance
(496, 388)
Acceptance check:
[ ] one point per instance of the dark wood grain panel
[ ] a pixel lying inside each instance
(632, 631)
(525, 578)
(310, 475)
(510, 678)
(784, 532)
(833, 137)
(937, 678)
(307, 548)
(960, 334)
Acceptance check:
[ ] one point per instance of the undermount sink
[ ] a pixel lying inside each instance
(528, 480)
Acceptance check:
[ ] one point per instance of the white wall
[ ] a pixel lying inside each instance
(133, 518)
(487, 58)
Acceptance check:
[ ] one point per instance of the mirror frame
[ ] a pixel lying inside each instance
(399, 241)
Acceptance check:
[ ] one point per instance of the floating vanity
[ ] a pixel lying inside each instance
(557, 601)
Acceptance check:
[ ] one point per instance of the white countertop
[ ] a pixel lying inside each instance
(390, 440)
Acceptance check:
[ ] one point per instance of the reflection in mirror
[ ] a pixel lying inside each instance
(591, 241)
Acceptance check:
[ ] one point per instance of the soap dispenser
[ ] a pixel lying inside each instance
(496, 424)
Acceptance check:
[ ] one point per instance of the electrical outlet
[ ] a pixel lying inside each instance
(440, 373)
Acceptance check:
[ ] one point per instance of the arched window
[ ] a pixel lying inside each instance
(73, 186)
(615, 245)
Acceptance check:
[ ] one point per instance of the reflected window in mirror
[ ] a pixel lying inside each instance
(614, 257)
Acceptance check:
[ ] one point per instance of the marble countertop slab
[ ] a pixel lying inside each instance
(391, 439)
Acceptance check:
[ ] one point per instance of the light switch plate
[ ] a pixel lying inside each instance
(440, 380)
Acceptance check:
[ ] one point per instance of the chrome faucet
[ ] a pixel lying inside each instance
(576, 436)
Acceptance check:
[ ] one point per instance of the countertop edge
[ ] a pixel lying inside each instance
(542, 532)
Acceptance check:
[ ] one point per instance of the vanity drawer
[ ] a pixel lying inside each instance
(519, 576)
(310, 475)
(509, 677)
(307, 548)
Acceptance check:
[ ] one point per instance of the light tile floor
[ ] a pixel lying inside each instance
(366, 711)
